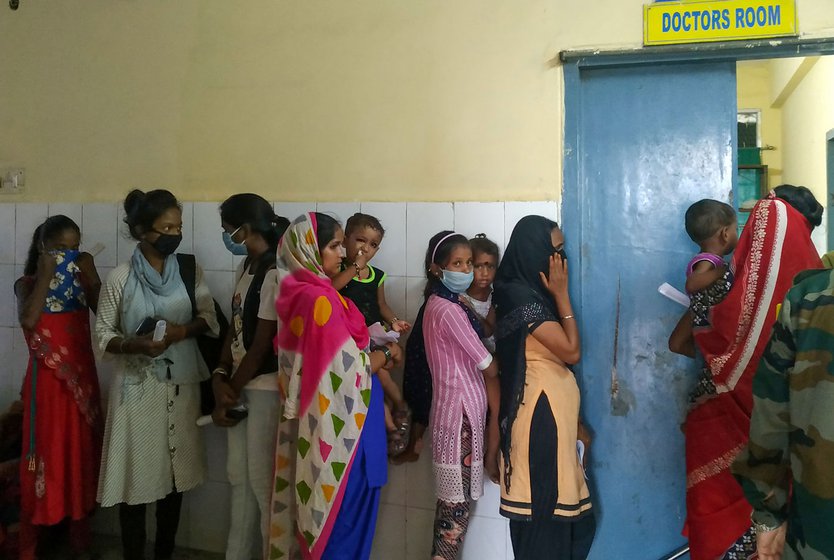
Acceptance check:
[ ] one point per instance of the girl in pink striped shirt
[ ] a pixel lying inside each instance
(464, 381)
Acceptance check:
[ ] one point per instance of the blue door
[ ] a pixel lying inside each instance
(642, 143)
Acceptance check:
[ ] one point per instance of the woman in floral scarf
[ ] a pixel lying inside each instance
(330, 462)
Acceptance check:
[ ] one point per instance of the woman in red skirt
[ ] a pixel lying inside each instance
(62, 417)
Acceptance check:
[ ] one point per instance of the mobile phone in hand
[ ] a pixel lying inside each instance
(238, 412)
(147, 326)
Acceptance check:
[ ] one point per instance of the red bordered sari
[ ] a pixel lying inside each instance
(774, 246)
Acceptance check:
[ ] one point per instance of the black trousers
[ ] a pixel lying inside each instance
(132, 521)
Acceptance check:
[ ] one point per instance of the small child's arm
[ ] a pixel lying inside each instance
(388, 314)
(343, 278)
(351, 269)
(703, 274)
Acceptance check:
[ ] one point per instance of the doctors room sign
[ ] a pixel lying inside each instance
(671, 23)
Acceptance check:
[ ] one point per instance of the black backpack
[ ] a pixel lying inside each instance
(210, 347)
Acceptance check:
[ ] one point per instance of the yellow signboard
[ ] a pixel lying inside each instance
(670, 23)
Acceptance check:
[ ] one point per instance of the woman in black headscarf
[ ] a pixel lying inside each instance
(543, 489)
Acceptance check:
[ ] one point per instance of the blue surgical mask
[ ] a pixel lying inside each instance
(238, 249)
(457, 282)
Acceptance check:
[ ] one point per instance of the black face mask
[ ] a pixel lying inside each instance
(166, 243)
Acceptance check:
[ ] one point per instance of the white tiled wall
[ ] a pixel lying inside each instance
(407, 510)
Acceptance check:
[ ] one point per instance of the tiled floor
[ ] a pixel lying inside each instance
(106, 547)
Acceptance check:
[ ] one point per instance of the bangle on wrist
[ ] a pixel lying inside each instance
(358, 270)
(387, 352)
(220, 371)
(394, 320)
(760, 528)
(565, 317)
(122, 346)
(765, 526)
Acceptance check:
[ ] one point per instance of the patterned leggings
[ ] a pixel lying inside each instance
(451, 519)
(744, 548)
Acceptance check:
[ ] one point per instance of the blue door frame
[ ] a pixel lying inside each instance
(829, 204)
(638, 479)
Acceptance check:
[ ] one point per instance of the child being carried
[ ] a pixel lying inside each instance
(713, 226)
(364, 285)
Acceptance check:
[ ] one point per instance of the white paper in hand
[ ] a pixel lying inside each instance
(382, 337)
(580, 451)
(674, 294)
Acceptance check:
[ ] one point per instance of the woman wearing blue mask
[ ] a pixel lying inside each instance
(463, 386)
(153, 449)
(62, 416)
(246, 381)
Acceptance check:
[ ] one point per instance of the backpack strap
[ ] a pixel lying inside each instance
(188, 273)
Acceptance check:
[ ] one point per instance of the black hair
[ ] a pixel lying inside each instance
(252, 209)
(47, 231)
(483, 244)
(142, 209)
(704, 218)
(803, 200)
(442, 253)
(360, 220)
(326, 227)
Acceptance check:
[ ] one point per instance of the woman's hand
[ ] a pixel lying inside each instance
(175, 333)
(224, 394)
(400, 326)
(46, 265)
(771, 544)
(556, 282)
(218, 416)
(491, 462)
(583, 435)
(145, 345)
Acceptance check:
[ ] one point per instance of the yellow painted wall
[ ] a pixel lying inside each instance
(299, 99)
(807, 116)
(753, 80)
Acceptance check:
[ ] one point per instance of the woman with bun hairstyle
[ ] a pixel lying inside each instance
(153, 450)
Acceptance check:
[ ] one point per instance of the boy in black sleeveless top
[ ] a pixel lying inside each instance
(364, 285)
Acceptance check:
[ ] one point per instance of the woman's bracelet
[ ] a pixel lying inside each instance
(122, 346)
(358, 270)
(567, 317)
(220, 371)
(760, 528)
(387, 352)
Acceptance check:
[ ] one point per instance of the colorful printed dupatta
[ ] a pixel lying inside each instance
(323, 335)
(774, 246)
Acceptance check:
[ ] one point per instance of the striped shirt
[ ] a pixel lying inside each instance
(456, 357)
